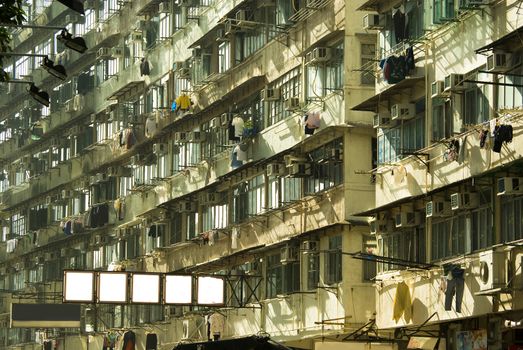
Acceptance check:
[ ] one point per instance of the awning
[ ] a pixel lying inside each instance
(247, 343)
(129, 90)
(510, 42)
(372, 5)
(371, 104)
(425, 343)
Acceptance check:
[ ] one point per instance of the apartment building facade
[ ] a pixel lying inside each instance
(203, 137)
(447, 209)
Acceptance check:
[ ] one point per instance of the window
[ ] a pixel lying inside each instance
(442, 125)
(414, 12)
(482, 221)
(224, 56)
(511, 96)
(106, 69)
(405, 244)
(192, 224)
(368, 57)
(326, 170)
(450, 237)
(281, 278)
(17, 225)
(22, 67)
(249, 198)
(334, 78)
(511, 218)
(313, 270)
(155, 237)
(407, 137)
(165, 25)
(443, 11)
(176, 228)
(215, 217)
(475, 102)
(333, 260)
(290, 86)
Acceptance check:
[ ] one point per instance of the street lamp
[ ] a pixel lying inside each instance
(56, 70)
(77, 44)
(39, 95)
(74, 43)
(75, 5)
(35, 92)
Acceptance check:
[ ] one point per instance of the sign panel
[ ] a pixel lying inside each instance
(211, 291)
(145, 288)
(78, 287)
(112, 287)
(178, 289)
(45, 315)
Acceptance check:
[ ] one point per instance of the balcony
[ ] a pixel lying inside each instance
(482, 290)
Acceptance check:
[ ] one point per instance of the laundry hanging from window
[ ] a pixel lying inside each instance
(145, 67)
(311, 122)
(455, 286)
(183, 102)
(503, 133)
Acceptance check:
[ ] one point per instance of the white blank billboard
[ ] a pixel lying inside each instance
(145, 288)
(112, 287)
(78, 286)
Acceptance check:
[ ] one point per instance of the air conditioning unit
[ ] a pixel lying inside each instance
(319, 55)
(499, 62)
(104, 52)
(186, 206)
(118, 52)
(196, 136)
(454, 82)
(49, 200)
(224, 119)
(270, 94)
(373, 22)
(407, 219)
(437, 208)
(472, 4)
(93, 180)
(160, 148)
(184, 73)
(292, 104)
(69, 106)
(380, 224)
(119, 171)
(197, 52)
(180, 137)
(221, 35)
(403, 111)
(102, 177)
(72, 18)
(437, 89)
(275, 169)
(290, 159)
(465, 200)
(241, 15)
(210, 198)
(76, 130)
(138, 159)
(310, 246)
(67, 194)
(299, 170)
(89, 4)
(492, 270)
(136, 36)
(164, 7)
(288, 254)
(382, 121)
(510, 185)
(229, 27)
